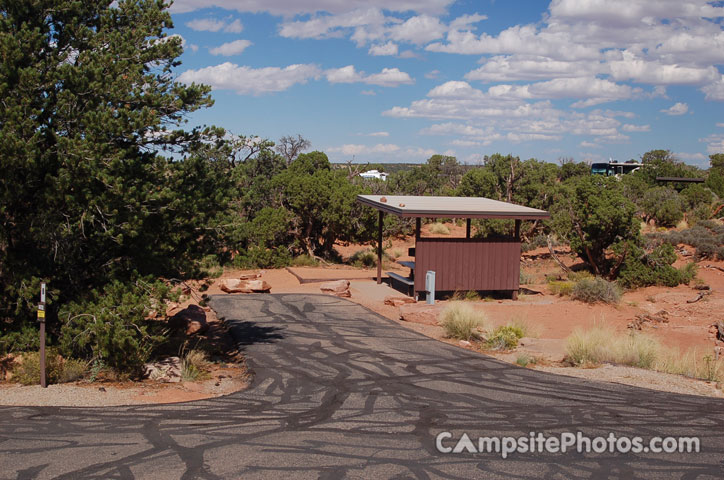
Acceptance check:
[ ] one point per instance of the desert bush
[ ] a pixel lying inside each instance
(438, 228)
(641, 269)
(194, 366)
(526, 278)
(596, 290)
(706, 237)
(561, 288)
(57, 369)
(663, 205)
(504, 337)
(469, 296)
(524, 360)
(536, 242)
(692, 363)
(112, 325)
(363, 259)
(461, 321)
(305, 261)
(697, 195)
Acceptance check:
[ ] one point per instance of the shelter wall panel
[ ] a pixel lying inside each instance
(468, 264)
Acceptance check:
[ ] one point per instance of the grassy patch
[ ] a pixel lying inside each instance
(562, 288)
(461, 321)
(57, 368)
(587, 348)
(304, 261)
(438, 228)
(194, 366)
(470, 296)
(524, 360)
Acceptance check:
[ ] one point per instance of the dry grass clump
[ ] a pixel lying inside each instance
(461, 321)
(601, 344)
(562, 288)
(438, 228)
(194, 366)
(504, 337)
(594, 290)
(57, 368)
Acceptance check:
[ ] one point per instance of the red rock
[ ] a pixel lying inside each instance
(233, 285)
(256, 286)
(192, 319)
(339, 288)
(420, 313)
(397, 301)
(250, 276)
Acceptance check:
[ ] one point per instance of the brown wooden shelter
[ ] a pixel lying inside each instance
(482, 264)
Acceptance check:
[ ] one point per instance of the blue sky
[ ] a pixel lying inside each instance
(397, 81)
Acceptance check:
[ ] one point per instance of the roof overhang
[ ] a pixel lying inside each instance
(450, 207)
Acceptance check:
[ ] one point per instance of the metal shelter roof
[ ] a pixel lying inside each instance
(450, 207)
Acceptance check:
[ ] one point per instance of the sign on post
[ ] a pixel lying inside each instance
(41, 319)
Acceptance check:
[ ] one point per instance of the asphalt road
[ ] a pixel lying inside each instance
(340, 392)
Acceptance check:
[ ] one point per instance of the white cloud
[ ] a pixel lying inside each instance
(433, 74)
(587, 144)
(388, 77)
(635, 128)
(371, 93)
(695, 158)
(389, 48)
(355, 149)
(234, 27)
(379, 134)
(418, 30)
(450, 128)
(715, 90)
(714, 143)
(245, 80)
(629, 66)
(529, 67)
(206, 24)
(295, 7)
(676, 109)
(720, 125)
(230, 48)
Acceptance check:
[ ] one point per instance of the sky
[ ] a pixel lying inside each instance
(400, 80)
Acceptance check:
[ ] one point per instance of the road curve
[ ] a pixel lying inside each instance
(341, 392)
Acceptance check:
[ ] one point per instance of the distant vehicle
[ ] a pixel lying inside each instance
(374, 174)
(613, 168)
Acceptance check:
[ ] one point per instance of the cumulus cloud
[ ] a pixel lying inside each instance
(714, 143)
(676, 109)
(230, 48)
(628, 127)
(245, 80)
(378, 134)
(388, 77)
(715, 90)
(355, 149)
(389, 48)
(216, 25)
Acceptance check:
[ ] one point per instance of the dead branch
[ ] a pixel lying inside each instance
(699, 297)
(555, 257)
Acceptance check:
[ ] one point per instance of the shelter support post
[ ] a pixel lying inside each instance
(517, 230)
(418, 226)
(379, 247)
(467, 228)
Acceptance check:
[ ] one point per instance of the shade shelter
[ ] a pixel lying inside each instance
(484, 264)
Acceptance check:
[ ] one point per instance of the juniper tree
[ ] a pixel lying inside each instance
(89, 104)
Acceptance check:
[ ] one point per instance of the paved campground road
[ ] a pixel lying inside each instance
(341, 392)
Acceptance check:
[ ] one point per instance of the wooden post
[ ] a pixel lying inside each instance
(379, 248)
(41, 319)
(418, 226)
(467, 228)
(517, 229)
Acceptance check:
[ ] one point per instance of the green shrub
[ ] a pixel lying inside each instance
(562, 288)
(461, 321)
(111, 325)
(504, 337)
(538, 241)
(305, 261)
(663, 205)
(596, 290)
(57, 369)
(642, 270)
(363, 259)
(438, 228)
(23, 340)
(524, 360)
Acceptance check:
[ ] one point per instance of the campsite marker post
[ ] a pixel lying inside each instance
(41, 319)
